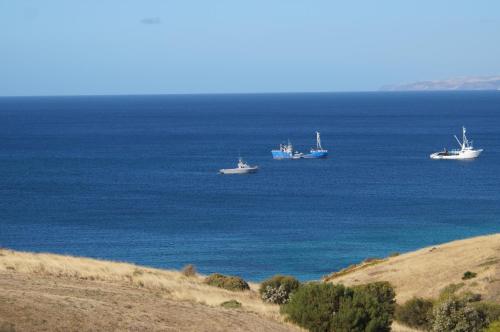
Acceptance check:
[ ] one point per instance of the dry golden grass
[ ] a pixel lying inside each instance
(427, 271)
(172, 284)
(54, 292)
(354, 268)
(396, 327)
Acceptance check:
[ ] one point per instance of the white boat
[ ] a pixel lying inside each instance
(466, 151)
(243, 168)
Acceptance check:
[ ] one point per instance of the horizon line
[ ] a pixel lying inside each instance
(232, 93)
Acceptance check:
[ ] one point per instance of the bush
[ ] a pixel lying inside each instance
(469, 275)
(275, 295)
(278, 289)
(450, 291)
(328, 307)
(189, 270)
(231, 304)
(313, 305)
(227, 282)
(370, 309)
(493, 327)
(455, 315)
(490, 310)
(471, 297)
(415, 313)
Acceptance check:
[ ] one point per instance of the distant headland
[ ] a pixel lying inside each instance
(453, 84)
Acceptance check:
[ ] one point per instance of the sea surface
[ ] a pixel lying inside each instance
(135, 178)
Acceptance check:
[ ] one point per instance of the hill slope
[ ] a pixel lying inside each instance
(427, 271)
(43, 292)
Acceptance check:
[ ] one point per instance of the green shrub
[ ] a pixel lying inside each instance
(457, 315)
(470, 297)
(278, 289)
(490, 310)
(493, 327)
(328, 307)
(469, 275)
(227, 282)
(231, 304)
(371, 309)
(313, 305)
(415, 313)
(449, 291)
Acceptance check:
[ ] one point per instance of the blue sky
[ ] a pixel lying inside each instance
(66, 47)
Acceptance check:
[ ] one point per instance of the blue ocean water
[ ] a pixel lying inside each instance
(134, 178)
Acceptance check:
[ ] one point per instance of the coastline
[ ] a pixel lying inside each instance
(40, 289)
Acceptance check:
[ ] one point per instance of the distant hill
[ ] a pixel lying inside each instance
(463, 83)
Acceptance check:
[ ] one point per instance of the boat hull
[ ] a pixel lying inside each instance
(239, 170)
(277, 154)
(461, 155)
(316, 154)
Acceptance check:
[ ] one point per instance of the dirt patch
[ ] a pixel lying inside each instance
(45, 303)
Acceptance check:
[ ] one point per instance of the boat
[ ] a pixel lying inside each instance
(285, 151)
(243, 168)
(466, 150)
(317, 152)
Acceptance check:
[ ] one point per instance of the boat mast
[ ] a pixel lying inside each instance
(465, 140)
(465, 143)
(318, 141)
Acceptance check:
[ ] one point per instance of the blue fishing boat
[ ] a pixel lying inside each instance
(286, 152)
(317, 152)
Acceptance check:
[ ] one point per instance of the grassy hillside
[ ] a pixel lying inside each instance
(61, 293)
(427, 271)
(46, 292)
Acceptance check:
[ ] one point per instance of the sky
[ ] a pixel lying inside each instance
(66, 47)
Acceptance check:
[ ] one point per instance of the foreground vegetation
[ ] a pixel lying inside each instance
(355, 299)
(326, 307)
(450, 312)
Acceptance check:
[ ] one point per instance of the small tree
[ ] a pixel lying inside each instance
(370, 309)
(275, 295)
(328, 307)
(314, 305)
(456, 315)
(278, 289)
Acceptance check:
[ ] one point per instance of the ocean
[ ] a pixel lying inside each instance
(135, 178)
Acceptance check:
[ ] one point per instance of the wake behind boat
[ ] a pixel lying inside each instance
(466, 151)
(243, 168)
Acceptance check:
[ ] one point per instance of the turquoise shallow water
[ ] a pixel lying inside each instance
(134, 178)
